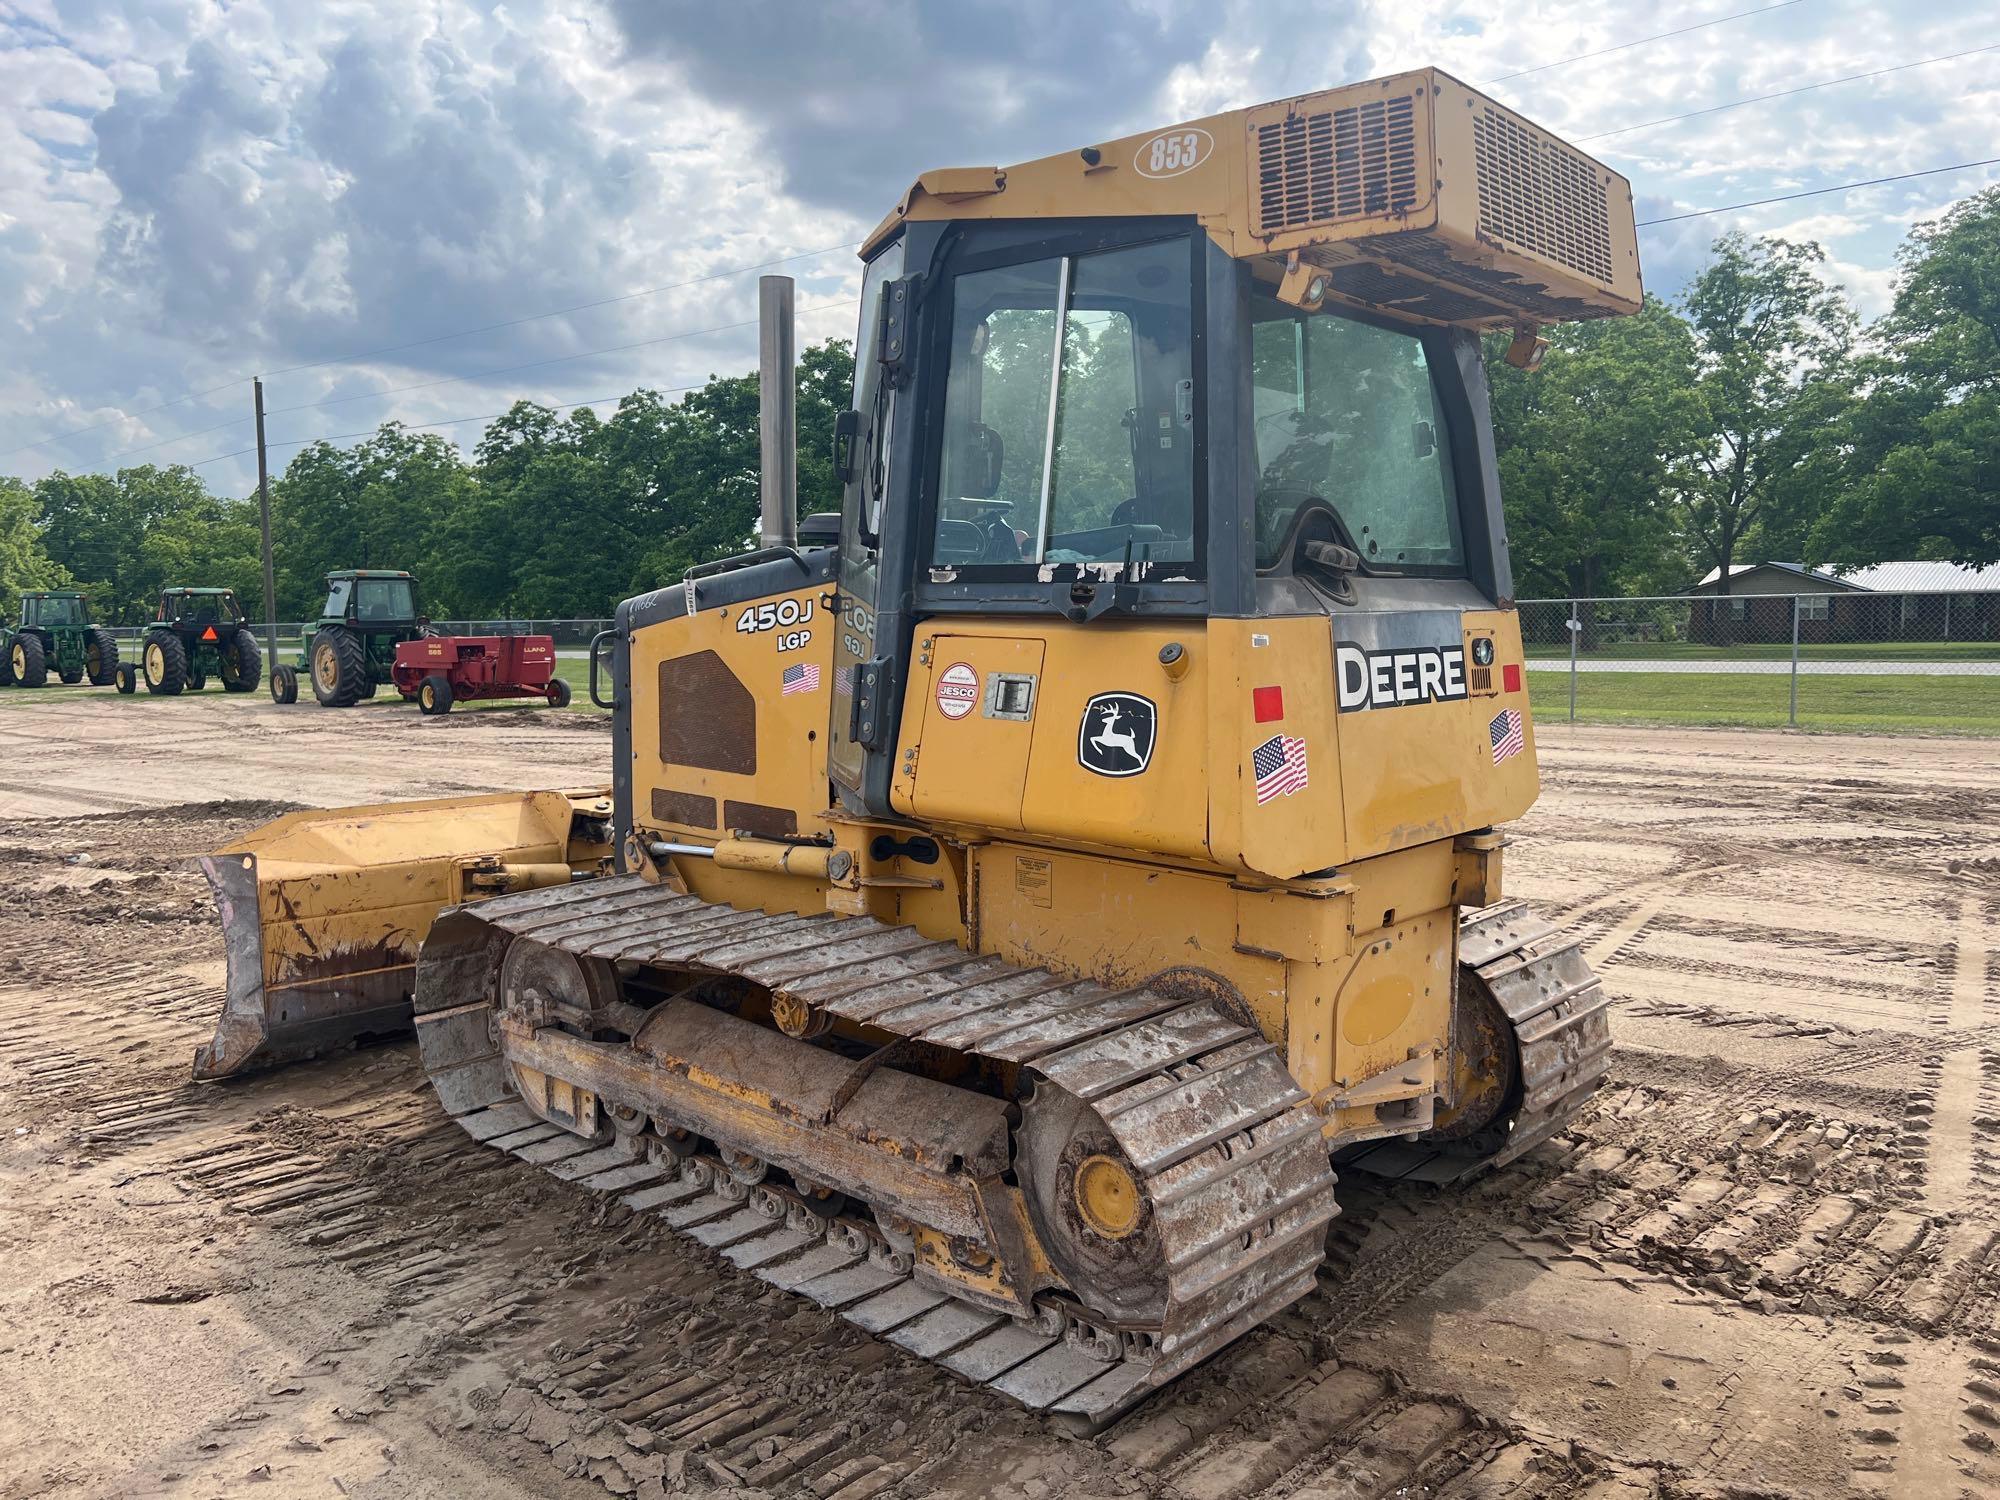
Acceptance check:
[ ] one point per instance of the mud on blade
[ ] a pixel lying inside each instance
(323, 912)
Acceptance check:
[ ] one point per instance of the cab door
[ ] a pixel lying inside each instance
(857, 656)
(976, 699)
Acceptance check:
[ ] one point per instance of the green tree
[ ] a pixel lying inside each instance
(1772, 337)
(1923, 459)
(215, 543)
(24, 564)
(826, 388)
(552, 516)
(1588, 447)
(578, 508)
(124, 535)
(383, 503)
(701, 498)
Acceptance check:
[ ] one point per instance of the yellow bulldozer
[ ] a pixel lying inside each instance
(1016, 900)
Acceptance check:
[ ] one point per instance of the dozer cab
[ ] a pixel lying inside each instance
(195, 634)
(57, 634)
(1025, 906)
(350, 650)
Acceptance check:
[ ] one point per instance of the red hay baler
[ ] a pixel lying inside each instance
(440, 670)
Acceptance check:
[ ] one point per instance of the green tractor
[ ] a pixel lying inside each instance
(195, 634)
(349, 650)
(56, 631)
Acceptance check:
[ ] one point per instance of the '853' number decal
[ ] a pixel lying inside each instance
(1173, 152)
(784, 615)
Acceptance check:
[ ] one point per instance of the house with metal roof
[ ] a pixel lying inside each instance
(1891, 601)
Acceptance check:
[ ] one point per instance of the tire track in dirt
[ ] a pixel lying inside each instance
(1783, 1197)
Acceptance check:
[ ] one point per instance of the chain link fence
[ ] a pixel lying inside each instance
(1853, 660)
(1842, 660)
(570, 635)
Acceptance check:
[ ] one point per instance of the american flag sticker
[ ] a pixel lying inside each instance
(1280, 767)
(801, 677)
(1505, 732)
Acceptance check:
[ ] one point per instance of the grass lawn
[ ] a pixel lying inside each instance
(1881, 705)
(575, 673)
(1870, 704)
(1781, 651)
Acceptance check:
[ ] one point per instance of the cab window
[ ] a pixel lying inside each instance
(383, 600)
(338, 593)
(1346, 415)
(1069, 412)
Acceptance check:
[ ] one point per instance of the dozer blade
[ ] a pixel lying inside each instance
(323, 912)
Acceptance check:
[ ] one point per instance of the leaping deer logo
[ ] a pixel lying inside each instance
(1109, 737)
(1117, 735)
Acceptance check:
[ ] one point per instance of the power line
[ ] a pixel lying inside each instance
(733, 271)
(341, 437)
(424, 385)
(1845, 187)
(439, 338)
(1806, 88)
(1642, 41)
(675, 390)
(59, 437)
(651, 291)
(536, 364)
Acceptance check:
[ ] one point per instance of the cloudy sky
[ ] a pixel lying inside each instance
(371, 203)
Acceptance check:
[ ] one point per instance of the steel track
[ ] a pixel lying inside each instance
(1227, 1148)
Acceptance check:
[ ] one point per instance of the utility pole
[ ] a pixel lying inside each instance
(264, 515)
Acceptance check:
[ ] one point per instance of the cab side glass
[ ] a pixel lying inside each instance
(1347, 415)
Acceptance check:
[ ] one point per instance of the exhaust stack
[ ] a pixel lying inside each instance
(777, 411)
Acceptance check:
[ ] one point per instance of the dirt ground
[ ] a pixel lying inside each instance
(1761, 1266)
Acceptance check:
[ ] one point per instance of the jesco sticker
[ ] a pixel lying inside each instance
(1398, 677)
(957, 690)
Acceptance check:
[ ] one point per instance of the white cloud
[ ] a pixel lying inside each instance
(190, 192)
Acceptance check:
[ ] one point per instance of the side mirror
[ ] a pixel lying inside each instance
(846, 441)
(981, 452)
(1423, 439)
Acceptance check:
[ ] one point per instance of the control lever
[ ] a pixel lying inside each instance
(1333, 557)
(1342, 563)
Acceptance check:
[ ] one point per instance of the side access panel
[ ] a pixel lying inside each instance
(728, 714)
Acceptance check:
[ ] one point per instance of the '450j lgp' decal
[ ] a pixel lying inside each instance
(782, 615)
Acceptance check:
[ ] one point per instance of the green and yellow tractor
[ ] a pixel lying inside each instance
(56, 632)
(195, 634)
(349, 650)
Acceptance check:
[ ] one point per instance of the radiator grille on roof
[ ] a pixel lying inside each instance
(1536, 194)
(1337, 164)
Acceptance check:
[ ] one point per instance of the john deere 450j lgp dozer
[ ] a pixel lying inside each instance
(1022, 906)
